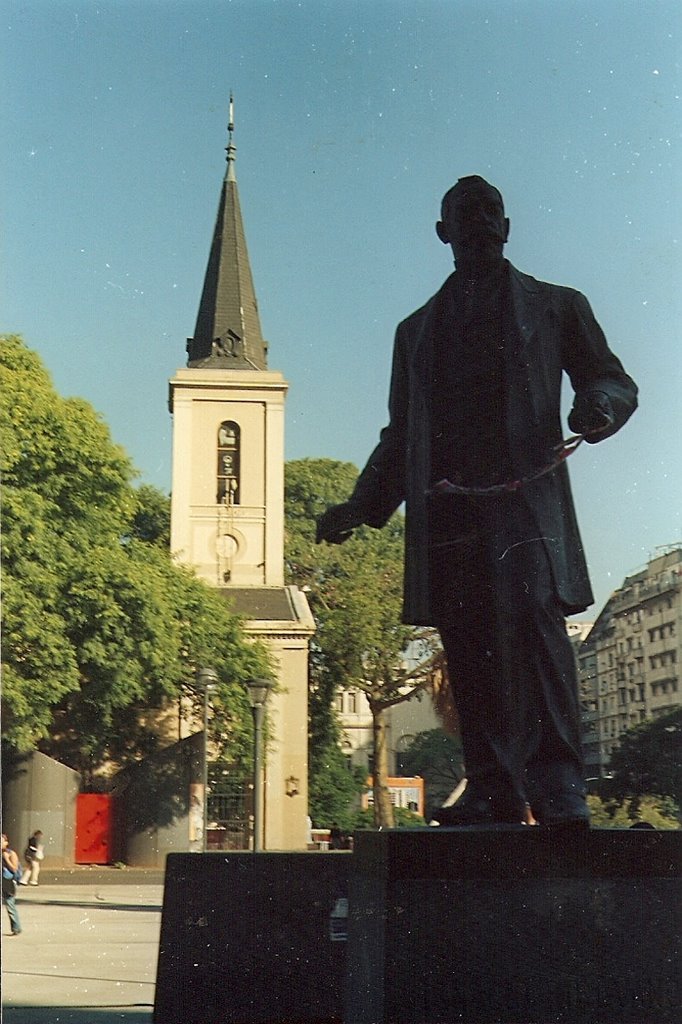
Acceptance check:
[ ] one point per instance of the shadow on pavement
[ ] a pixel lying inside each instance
(93, 904)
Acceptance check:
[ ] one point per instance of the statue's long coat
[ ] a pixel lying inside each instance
(552, 329)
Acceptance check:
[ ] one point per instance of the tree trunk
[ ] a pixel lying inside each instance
(383, 808)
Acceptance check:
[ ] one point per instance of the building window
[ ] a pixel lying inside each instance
(352, 702)
(229, 443)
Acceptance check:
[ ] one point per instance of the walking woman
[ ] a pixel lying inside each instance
(33, 854)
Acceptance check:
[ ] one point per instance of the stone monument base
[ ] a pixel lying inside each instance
(252, 938)
(517, 926)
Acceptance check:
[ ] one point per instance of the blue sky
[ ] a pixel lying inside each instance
(352, 119)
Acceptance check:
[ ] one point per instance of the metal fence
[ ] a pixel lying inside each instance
(230, 816)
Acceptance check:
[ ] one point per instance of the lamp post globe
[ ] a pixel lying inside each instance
(259, 691)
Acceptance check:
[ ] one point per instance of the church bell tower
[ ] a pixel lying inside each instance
(227, 505)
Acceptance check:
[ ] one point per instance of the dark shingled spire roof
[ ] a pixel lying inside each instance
(228, 332)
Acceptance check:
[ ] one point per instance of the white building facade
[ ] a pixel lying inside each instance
(630, 662)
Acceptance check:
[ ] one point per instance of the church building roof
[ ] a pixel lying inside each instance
(228, 334)
(268, 604)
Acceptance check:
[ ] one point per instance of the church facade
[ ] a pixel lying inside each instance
(227, 505)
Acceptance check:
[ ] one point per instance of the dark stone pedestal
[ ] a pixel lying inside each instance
(247, 939)
(514, 927)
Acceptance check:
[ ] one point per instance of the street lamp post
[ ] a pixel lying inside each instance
(207, 678)
(259, 690)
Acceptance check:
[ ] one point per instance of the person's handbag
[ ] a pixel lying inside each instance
(39, 854)
(9, 881)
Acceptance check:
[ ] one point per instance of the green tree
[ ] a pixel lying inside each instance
(102, 633)
(61, 477)
(152, 517)
(648, 759)
(333, 787)
(439, 759)
(661, 812)
(355, 591)
(403, 819)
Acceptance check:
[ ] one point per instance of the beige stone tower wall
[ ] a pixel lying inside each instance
(286, 783)
(239, 544)
(239, 548)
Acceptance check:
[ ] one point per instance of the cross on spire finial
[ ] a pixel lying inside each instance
(231, 149)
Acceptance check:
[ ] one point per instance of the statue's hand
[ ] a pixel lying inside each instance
(337, 523)
(591, 414)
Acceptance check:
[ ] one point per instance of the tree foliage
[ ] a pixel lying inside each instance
(355, 592)
(333, 787)
(101, 630)
(364, 819)
(659, 812)
(648, 759)
(439, 759)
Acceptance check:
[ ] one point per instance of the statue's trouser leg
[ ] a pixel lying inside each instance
(511, 664)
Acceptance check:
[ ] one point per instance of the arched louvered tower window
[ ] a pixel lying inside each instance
(228, 463)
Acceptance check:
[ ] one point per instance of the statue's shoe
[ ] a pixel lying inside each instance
(482, 805)
(557, 795)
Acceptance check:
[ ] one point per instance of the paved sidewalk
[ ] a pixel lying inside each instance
(87, 954)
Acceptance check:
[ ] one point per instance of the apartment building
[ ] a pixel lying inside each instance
(404, 722)
(629, 664)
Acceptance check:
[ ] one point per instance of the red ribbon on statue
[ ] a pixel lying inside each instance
(561, 453)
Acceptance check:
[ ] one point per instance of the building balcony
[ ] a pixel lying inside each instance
(641, 592)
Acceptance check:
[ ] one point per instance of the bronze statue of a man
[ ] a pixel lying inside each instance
(475, 400)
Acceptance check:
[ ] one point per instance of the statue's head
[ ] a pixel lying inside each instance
(473, 221)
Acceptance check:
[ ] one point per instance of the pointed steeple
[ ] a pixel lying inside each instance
(228, 332)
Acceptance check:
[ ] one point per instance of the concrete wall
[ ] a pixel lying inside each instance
(41, 794)
(286, 817)
(153, 803)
